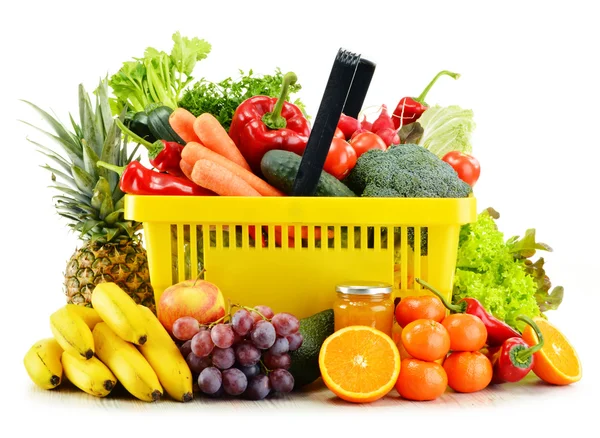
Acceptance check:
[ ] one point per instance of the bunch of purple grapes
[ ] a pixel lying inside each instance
(247, 356)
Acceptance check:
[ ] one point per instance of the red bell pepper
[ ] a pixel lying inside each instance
(263, 123)
(497, 331)
(136, 179)
(165, 156)
(409, 109)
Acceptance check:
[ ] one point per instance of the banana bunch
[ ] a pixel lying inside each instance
(115, 341)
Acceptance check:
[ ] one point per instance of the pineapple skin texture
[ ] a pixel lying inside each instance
(124, 263)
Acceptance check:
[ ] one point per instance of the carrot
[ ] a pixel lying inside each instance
(186, 168)
(303, 233)
(220, 180)
(182, 122)
(193, 152)
(215, 137)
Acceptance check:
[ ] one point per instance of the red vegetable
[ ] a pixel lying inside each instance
(384, 121)
(409, 109)
(341, 158)
(513, 361)
(365, 124)
(165, 156)
(348, 125)
(263, 123)
(389, 136)
(467, 166)
(497, 331)
(366, 141)
(139, 180)
(339, 134)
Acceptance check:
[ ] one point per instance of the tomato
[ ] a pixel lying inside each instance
(339, 134)
(366, 141)
(465, 165)
(341, 158)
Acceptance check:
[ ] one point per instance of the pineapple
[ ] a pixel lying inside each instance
(90, 199)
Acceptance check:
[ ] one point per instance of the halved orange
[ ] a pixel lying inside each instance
(359, 364)
(557, 362)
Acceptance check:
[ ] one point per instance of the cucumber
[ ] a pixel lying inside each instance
(158, 123)
(281, 167)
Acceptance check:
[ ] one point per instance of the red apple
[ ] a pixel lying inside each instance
(199, 299)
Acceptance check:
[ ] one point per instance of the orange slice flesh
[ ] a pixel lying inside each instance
(359, 364)
(557, 362)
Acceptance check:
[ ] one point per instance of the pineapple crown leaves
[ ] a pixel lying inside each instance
(89, 196)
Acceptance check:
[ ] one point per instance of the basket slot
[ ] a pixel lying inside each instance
(403, 258)
(180, 253)
(344, 237)
(194, 251)
(258, 241)
(245, 237)
(417, 258)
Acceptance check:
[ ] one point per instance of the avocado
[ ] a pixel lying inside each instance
(305, 361)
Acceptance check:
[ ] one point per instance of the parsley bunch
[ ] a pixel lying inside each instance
(222, 99)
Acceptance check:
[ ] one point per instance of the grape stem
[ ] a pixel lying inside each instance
(250, 309)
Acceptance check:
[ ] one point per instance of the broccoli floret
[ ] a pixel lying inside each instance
(406, 171)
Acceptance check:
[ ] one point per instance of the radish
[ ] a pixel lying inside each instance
(389, 136)
(348, 125)
(383, 121)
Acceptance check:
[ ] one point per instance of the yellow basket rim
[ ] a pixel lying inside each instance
(300, 210)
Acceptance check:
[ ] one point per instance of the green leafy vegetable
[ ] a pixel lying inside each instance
(158, 78)
(222, 99)
(447, 129)
(500, 273)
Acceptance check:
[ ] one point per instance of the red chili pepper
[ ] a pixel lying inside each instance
(409, 109)
(165, 156)
(497, 331)
(263, 123)
(136, 179)
(515, 358)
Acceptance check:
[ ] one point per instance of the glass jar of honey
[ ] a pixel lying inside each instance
(365, 303)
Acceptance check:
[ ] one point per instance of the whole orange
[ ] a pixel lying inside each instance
(420, 380)
(467, 332)
(468, 371)
(410, 309)
(426, 339)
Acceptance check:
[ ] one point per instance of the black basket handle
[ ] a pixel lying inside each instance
(346, 90)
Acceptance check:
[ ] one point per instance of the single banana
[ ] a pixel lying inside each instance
(89, 315)
(165, 358)
(118, 310)
(72, 333)
(127, 363)
(43, 365)
(91, 376)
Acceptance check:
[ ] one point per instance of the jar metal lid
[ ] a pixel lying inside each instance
(364, 288)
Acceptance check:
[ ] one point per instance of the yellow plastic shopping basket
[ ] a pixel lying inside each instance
(361, 239)
(324, 240)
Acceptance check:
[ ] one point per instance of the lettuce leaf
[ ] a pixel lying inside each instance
(447, 129)
(500, 273)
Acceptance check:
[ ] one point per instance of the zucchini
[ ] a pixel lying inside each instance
(281, 167)
(139, 125)
(158, 123)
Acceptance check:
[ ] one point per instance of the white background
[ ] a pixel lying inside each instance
(529, 71)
